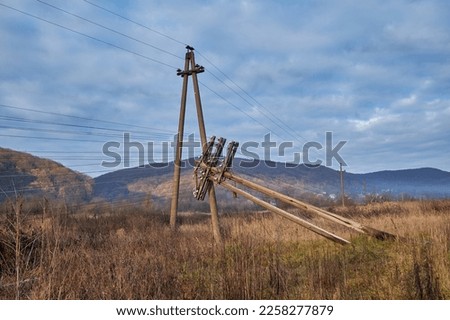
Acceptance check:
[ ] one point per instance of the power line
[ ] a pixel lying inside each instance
(135, 22)
(59, 151)
(62, 184)
(25, 120)
(153, 133)
(110, 29)
(65, 158)
(88, 36)
(272, 116)
(223, 82)
(119, 134)
(234, 106)
(49, 138)
(70, 172)
(248, 95)
(109, 135)
(73, 158)
(85, 165)
(81, 118)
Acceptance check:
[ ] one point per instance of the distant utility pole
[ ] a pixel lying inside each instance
(342, 185)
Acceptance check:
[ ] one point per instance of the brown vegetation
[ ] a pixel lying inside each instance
(127, 252)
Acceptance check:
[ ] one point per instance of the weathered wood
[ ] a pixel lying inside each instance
(201, 125)
(285, 214)
(191, 69)
(382, 235)
(179, 149)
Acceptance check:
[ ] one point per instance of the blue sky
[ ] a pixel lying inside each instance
(376, 75)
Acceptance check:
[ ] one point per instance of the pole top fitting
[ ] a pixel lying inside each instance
(189, 48)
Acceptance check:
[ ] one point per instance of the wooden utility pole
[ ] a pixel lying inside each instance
(202, 130)
(179, 149)
(211, 169)
(342, 184)
(191, 69)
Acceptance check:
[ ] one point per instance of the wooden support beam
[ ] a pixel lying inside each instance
(381, 235)
(285, 214)
(201, 124)
(296, 203)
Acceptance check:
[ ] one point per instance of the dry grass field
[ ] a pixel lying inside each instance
(130, 253)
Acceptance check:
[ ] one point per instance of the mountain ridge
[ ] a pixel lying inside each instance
(27, 175)
(41, 177)
(416, 182)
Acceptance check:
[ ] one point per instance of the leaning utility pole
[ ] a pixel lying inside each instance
(212, 168)
(342, 184)
(191, 69)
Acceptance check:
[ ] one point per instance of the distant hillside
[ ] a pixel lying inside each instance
(300, 181)
(31, 176)
(423, 182)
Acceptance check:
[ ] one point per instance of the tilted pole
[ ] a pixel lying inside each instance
(285, 214)
(179, 146)
(379, 234)
(207, 167)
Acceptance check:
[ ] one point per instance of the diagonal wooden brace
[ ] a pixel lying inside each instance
(285, 214)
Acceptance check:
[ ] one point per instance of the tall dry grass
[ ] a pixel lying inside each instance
(132, 254)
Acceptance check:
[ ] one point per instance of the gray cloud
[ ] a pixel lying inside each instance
(375, 74)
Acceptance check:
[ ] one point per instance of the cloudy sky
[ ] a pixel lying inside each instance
(77, 74)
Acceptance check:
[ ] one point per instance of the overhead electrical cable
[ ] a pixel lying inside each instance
(110, 29)
(136, 23)
(89, 37)
(273, 118)
(82, 118)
